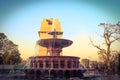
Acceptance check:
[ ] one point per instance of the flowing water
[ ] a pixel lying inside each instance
(110, 77)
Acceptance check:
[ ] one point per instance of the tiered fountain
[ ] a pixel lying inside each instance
(54, 64)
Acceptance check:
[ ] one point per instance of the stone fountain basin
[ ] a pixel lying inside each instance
(54, 42)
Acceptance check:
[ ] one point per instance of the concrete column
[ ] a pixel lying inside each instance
(72, 64)
(59, 64)
(33, 65)
(44, 64)
(75, 64)
(51, 64)
(65, 63)
(38, 65)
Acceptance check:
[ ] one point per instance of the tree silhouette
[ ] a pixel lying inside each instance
(111, 34)
(9, 53)
(85, 62)
(118, 63)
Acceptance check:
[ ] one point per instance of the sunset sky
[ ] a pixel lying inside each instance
(20, 20)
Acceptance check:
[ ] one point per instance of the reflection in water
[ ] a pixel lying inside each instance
(95, 75)
(109, 77)
(23, 77)
(112, 77)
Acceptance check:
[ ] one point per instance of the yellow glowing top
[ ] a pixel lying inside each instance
(47, 25)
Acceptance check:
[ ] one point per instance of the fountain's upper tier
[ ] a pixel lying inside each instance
(55, 43)
(49, 27)
(51, 37)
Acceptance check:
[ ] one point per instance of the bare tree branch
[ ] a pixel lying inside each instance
(115, 40)
(111, 34)
(98, 47)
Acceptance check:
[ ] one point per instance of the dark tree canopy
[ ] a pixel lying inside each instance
(9, 53)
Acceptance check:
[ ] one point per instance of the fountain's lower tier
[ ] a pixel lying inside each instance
(54, 66)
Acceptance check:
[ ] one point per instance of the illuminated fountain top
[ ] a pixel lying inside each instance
(54, 44)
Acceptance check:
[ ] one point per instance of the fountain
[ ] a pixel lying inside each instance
(53, 64)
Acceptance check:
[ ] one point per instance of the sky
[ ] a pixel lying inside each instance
(20, 20)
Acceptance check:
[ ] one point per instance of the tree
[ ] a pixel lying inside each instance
(1, 59)
(93, 64)
(15, 58)
(118, 64)
(85, 62)
(9, 53)
(111, 34)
